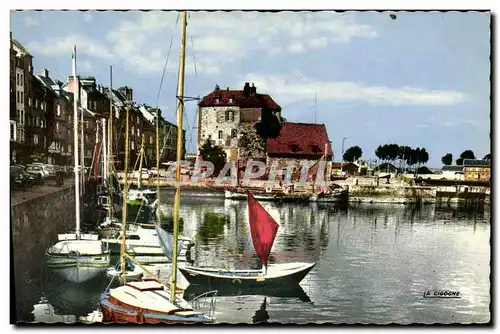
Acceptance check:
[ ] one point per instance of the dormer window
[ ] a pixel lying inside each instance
(230, 100)
(315, 149)
(217, 100)
(295, 148)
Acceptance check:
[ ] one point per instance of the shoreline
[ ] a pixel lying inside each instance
(394, 194)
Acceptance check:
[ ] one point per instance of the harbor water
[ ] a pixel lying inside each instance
(373, 264)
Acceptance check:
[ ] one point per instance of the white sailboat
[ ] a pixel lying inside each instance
(77, 257)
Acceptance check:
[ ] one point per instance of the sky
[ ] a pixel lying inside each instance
(422, 79)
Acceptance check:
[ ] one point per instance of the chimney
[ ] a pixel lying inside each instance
(127, 93)
(44, 73)
(71, 84)
(246, 89)
(216, 87)
(253, 89)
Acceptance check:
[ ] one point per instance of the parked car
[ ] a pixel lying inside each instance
(19, 178)
(35, 178)
(39, 171)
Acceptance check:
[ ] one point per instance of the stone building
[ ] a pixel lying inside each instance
(22, 70)
(477, 170)
(299, 143)
(222, 113)
(60, 131)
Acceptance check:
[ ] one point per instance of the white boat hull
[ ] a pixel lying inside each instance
(130, 275)
(78, 269)
(278, 275)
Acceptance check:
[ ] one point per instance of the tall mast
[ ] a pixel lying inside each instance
(110, 144)
(180, 111)
(82, 155)
(104, 151)
(125, 190)
(75, 145)
(141, 155)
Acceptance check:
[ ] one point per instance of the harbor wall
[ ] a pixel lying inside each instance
(34, 227)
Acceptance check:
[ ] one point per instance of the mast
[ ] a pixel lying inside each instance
(110, 144)
(180, 111)
(125, 190)
(75, 145)
(104, 152)
(141, 155)
(82, 155)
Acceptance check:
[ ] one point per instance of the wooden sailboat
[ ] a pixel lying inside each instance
(77, 257)
(263, 230)
(148, 300)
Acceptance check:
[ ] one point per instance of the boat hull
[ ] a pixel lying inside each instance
(77, 269)
(130, 275)
(114, 311)
(278, 276)
(330, 198)
(146, 254)
(267, 197)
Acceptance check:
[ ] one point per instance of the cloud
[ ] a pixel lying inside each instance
(213, 38)
(220, 37)
(31, 22)
(64, 45)
(296, 88)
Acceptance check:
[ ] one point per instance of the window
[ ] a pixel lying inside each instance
(132, 145)
(295, 148)
(230, 116)
(220, 134)
(217, 99)
(12, 131)
(138, 132)
(58, 112)
(234, 133)
(95, 105)
(57, 127)
(69, 148)
(22, 97)
(18, 97)
(137, 119)
(36, 103)
(37, 121)
(42, 105)
(151, 140)
(133, 132)
(42, 124)
(17, 79)
(86, 125)
(35, 139)
(230, 100)
(29, 101)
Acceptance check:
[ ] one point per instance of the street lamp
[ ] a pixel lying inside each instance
(342, 162)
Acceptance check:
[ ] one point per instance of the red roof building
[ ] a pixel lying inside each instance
(301, 141)
(246, 98)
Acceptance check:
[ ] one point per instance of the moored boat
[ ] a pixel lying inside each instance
(263, 229)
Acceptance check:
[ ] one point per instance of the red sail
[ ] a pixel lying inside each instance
(262, 227)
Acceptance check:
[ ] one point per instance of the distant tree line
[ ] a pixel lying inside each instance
(402, 153)
(447, 159)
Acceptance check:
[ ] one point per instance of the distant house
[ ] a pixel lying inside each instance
(346, 168)
(386, 167)
(452, 172)
(299, 143)
(476, 170)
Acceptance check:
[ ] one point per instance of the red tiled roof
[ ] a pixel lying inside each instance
(305, 136)
(238, 99)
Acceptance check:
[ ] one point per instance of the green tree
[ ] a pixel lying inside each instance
(214, 154)
(467, 154)
(381, 153)
(459, 161)
(447, 159)
(487, 157)
(352, 153)
(423, 156)
(269, 126)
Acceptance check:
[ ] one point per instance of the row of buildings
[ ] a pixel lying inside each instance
(41, 117)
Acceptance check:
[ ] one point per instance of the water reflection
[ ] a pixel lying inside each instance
(373, 263)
